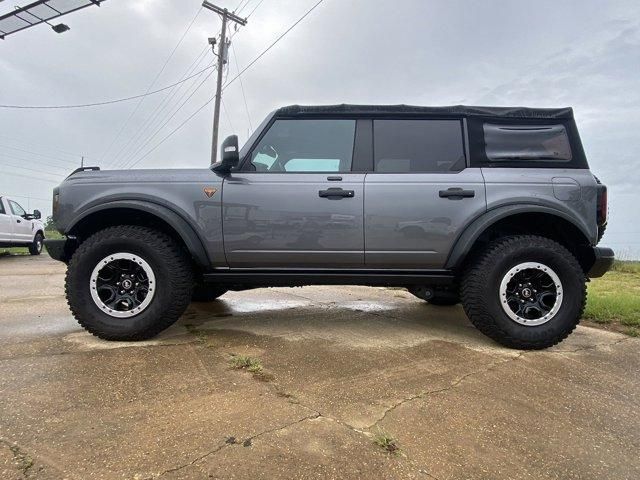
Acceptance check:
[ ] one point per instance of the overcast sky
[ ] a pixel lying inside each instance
(583, 54)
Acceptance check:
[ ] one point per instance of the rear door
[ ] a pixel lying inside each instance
(421, 193)
(22, 228)
(296, 201)
(6, 222)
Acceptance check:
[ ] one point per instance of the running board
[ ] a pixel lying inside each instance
(293, 278)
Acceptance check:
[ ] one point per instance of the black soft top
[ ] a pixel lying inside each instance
(458, 110)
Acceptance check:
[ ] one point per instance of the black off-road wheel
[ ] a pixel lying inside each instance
(36, 246)
(439, 298)
(128, 283)
(207, 293)
(525, 292)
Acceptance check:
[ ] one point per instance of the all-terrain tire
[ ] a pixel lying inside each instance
(443, 298)
(207, 293)
(173, 287)
(480, 291)
(36, 246)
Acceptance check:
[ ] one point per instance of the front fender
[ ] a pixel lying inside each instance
(470, 234)
(188, 234)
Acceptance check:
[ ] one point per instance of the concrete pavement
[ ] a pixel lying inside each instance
(341, 365)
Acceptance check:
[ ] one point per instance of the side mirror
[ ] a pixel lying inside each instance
(37, 215)
(229, 155)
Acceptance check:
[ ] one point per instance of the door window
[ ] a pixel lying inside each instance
(17, 209)
(1, 207)
(297, 146)
(418, 146)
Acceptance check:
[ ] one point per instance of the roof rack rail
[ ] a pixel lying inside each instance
(83, 169)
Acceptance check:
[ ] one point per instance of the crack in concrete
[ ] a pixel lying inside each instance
(595, 346)
(451, 386)
(23, 461)
(227, 444)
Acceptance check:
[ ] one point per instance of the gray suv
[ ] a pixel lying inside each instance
(494, 208)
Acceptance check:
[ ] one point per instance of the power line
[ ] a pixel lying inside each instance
(36, 145)
(38, 154)
(160, 108)
(30, 177)
(169, 119)
(28, 197)
(228, 83)
(166, 62)
(246, 105)
(255, 8)
(34, 170)
(29, 161)
(106, 102)
(272, 45)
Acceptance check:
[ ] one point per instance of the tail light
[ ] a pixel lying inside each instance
(602, 205)
(56, 202)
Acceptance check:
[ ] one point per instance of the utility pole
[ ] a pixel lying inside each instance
(82, 162)
(223, 48)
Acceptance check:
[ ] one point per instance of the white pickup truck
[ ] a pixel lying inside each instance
(19, 228)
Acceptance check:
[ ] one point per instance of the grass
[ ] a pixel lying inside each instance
(386, 441)
(614, 300)
(244, 362)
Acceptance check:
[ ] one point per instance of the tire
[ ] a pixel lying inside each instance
(166, 266)
(36, 246)
(207, 293)
(440, 298)
(489, 281)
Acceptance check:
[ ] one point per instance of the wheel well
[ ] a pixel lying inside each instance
(542, 224)
(124, 216)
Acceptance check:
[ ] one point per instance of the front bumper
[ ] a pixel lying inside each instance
(604, 258)
(62, 249)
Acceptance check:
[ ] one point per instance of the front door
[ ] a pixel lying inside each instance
(420, 195)
(295, 203)
(22, 228)
(6, 223)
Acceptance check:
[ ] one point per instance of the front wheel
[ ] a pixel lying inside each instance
(525, 292)
(128, 283)
(36, 246)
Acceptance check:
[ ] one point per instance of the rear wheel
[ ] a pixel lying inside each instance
(525, 292)
(128, 283)
(36, 247)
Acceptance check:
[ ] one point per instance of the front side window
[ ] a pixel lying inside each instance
(17, 209)
(404, 146)
(298, 146)
(2, 212)
(526, 142)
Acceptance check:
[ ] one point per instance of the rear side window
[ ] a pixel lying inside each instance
(526, 142)
(418, 146)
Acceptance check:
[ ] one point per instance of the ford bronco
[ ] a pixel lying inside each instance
(494, 208)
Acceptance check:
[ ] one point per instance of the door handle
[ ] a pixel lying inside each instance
(456, 193)
(336, 193)
(334, 178)
(18, 220)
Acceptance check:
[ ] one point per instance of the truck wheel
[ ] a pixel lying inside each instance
(207, 293)
(438, 298)
(525, 292)
(128, 283)
(36, 247)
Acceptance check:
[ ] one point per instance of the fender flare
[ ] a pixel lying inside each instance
(180, 225)
(465, 241)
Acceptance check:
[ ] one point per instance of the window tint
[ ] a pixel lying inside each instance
(418, 145)
(526, 142)
(305, 146)
(16, 209)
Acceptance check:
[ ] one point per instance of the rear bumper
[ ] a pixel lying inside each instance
(62, 249)
(604, 258)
